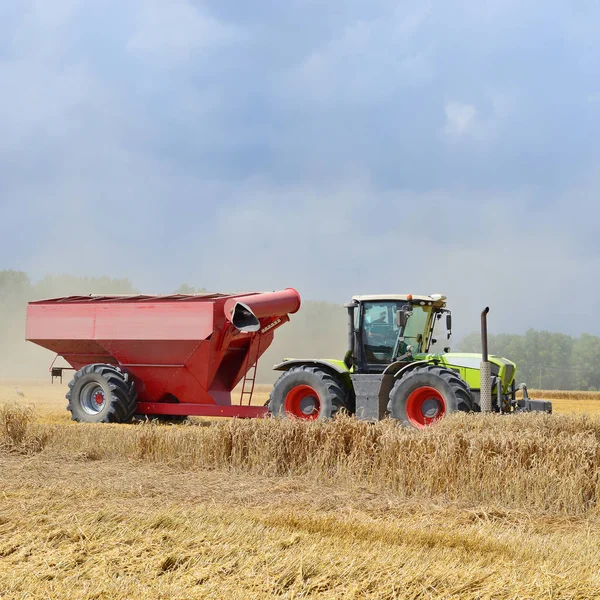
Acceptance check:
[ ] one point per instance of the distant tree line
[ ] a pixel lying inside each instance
(546, 360)
(18, 359)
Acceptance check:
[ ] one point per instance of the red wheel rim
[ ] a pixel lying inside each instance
(424, 406)
(302, 402)
(98, 398)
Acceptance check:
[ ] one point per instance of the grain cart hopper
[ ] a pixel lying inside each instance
(389, 370)
(169, 356)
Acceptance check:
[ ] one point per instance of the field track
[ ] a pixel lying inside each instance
(493, 507)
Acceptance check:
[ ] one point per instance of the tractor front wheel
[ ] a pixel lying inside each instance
(428, 394)
(307, 393)
(101, 394)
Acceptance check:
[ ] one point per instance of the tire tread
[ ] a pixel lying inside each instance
(123, 395)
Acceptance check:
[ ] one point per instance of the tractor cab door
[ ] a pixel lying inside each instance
(380, 332)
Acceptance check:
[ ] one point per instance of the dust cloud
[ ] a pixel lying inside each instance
(317, 330)
(23, 360)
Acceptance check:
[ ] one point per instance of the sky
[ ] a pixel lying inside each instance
(339, 147)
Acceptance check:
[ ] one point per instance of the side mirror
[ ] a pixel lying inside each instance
(449, 322)
(400, 319)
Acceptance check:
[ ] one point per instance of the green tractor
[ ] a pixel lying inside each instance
(389, 371)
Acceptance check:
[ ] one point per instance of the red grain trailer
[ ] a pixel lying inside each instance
(167, 356)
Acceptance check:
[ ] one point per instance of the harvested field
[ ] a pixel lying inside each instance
(473, 507)
(566, 395)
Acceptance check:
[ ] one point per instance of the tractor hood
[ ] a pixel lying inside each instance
(468, 364)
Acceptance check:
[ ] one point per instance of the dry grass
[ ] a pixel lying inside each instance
(565, 395)
(474, 507)
(106, 529)
(551, 463)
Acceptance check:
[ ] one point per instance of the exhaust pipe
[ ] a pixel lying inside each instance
(245, 311)
(485, 372)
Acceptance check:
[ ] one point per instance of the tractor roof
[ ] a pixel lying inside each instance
(437, 299)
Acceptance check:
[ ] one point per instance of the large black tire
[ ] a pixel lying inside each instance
(309, 393)
(428, 393)
(101, 394)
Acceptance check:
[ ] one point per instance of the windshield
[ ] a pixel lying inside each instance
(415, 328)
(381, 332)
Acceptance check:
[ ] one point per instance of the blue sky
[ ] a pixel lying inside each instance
(338, 147)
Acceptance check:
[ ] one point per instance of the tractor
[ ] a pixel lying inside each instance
(389, 370)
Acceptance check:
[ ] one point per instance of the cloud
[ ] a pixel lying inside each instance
(355, 239)
(340, 147)
(460, 119)
(176, 30)
(367, 62)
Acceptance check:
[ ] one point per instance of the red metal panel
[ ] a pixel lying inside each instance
(152, 352)
(129, 298)
(202, 410)
(118, 320)
(72, 346)
(78, 361)
(204, 362)
(158, 383)
(60, 322)
(154, 321)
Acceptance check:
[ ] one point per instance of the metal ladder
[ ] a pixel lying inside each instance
(250, 380)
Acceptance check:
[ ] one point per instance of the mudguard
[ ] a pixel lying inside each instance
(398, 369)
(336, 365)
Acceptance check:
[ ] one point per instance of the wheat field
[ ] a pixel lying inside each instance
(473, 507)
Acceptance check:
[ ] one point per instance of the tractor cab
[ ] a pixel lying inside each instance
(391, 328)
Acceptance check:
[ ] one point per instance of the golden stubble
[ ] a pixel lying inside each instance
(473, 507)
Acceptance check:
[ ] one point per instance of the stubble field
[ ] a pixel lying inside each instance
(474, 507)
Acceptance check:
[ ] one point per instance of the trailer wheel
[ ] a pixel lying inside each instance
(428, 394)
(307, 393)
(101, 394)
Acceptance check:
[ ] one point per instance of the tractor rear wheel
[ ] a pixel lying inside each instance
(428, 394)
(101, 394)
(307, 393)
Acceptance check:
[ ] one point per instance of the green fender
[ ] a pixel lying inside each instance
(336, 365)
(398, 369)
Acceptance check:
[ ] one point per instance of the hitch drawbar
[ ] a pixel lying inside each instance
(527, 404)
